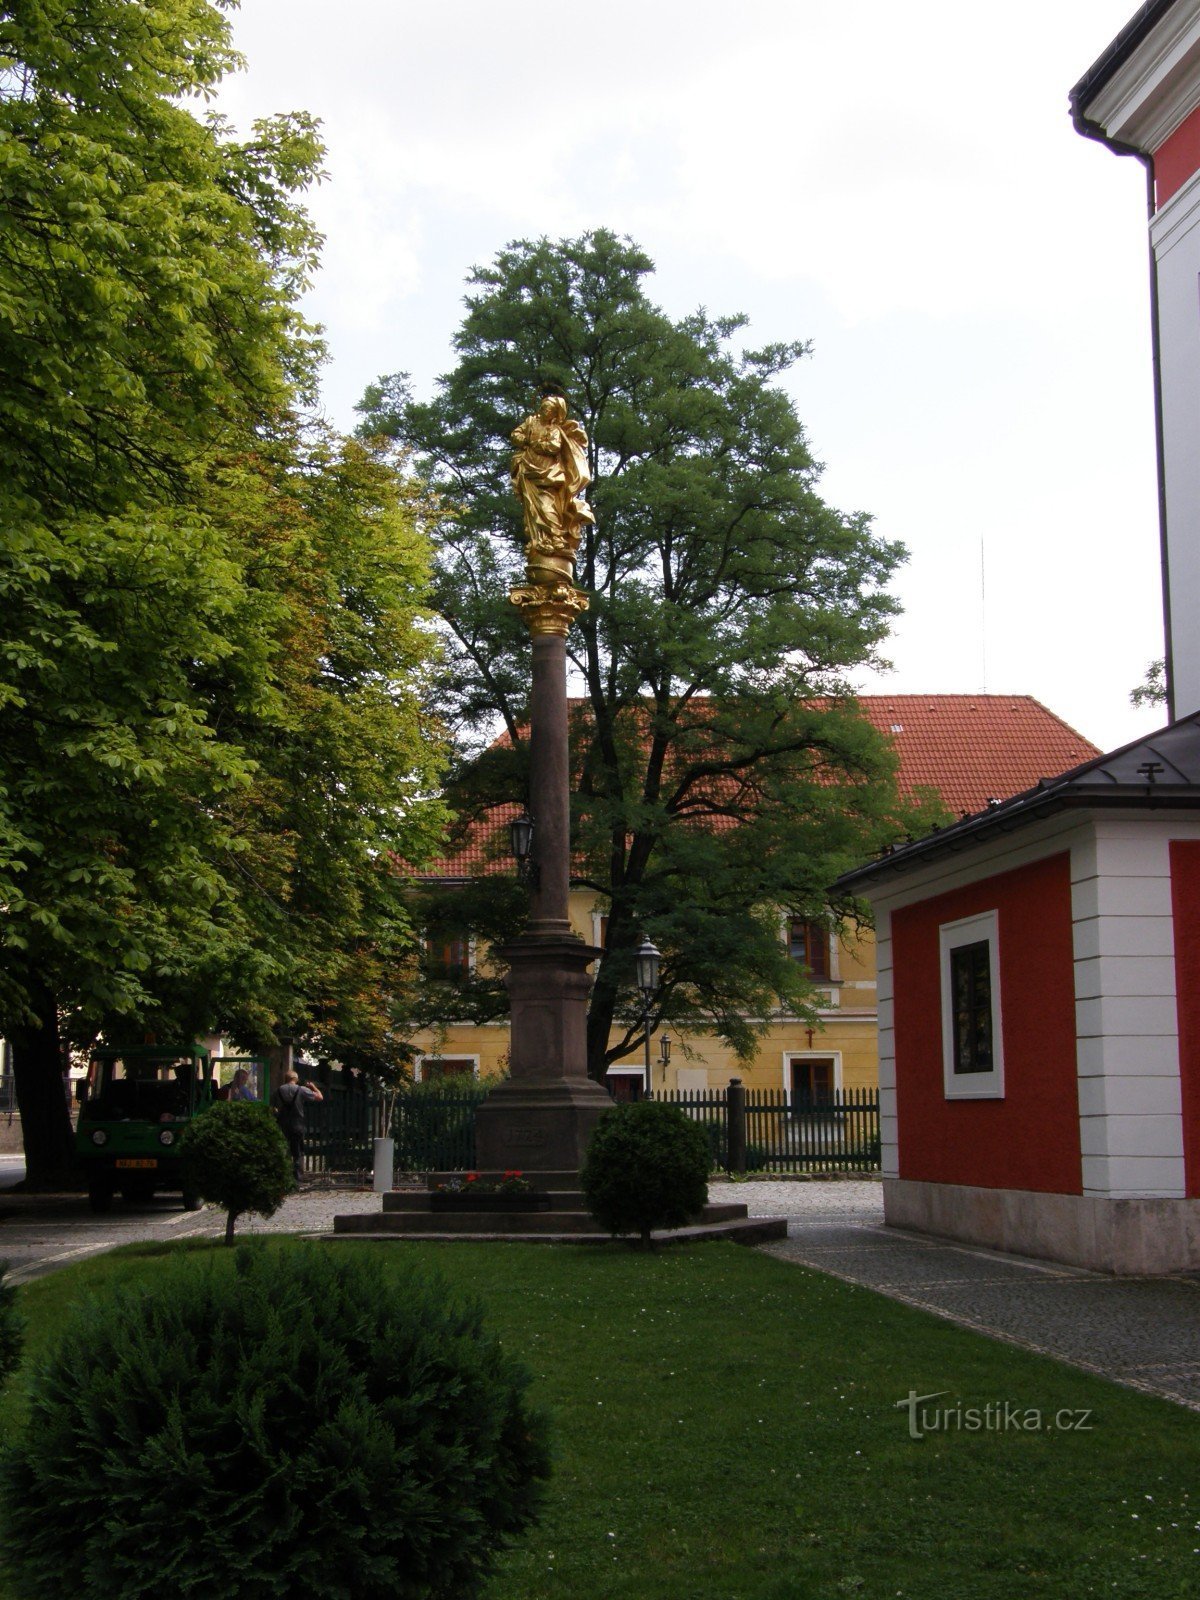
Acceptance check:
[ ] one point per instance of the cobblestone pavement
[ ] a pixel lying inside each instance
(1143, 1332)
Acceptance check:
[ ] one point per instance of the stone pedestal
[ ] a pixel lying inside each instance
(542, 1118)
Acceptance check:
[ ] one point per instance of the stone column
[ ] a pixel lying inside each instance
(541, 1119)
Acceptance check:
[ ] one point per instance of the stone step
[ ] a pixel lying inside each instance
(428, 1229)
(539, 1179)
(417, 1202)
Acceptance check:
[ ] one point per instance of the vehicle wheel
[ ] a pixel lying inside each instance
(100, 1196)
(192, 1202)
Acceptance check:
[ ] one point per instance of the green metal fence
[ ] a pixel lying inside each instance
(434, 1129)
(789, 1133)
(339, 1132)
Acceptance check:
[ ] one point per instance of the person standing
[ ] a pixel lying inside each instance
(288, 1105)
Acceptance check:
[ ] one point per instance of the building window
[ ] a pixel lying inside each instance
(971, 1002)
(448, 956)
(808, 943)
(972, 1053)
(430, 1068)
(626, 1083)
(813, 1081)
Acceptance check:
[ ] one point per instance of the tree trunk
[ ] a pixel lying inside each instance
(41, 1100)
(601, 1008)
(230, 1219)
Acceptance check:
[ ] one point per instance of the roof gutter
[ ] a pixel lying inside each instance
(1009, 820)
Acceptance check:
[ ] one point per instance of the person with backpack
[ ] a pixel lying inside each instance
(288, 1105)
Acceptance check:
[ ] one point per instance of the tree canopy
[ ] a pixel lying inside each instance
(212, 653)
(723, 772)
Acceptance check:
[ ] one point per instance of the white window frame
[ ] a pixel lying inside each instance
(953, 936)
(438, 1055)
(811, 1055)
(624, 1070)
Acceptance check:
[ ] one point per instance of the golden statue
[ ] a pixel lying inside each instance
(549, 473)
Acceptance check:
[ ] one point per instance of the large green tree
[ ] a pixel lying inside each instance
(209, 663)
(722, 770)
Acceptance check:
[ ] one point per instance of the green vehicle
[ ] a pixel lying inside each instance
(136, 1106)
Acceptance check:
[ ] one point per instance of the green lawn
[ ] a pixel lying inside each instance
(726, 1426)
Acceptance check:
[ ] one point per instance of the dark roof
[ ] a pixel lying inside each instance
(1160, 772)
(1140, 25)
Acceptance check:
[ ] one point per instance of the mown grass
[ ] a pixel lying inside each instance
(726, 1426)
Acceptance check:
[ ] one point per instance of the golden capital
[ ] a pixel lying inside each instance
(549, 607)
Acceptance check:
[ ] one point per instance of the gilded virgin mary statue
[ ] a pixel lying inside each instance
(549, 473)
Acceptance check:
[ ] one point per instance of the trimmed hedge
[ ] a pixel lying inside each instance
(647, 1166)
(235, 1155)
(286, 1423)
(12, 1327)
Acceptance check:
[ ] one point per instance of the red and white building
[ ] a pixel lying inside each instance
(1142, 98)
(1039, 962)
(1039, 1016)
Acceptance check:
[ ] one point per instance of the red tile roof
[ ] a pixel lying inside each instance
(971, 748)
(974, 748)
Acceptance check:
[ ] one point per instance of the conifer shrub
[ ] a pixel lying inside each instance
(291, 1422)
(646, 1167)
(234, 1155)
(12, 1327)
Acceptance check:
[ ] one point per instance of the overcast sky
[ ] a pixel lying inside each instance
(901, 184)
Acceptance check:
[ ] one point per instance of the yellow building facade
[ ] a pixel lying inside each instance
(835, 1050)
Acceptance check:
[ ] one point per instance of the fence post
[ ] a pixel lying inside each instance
(735, 1103)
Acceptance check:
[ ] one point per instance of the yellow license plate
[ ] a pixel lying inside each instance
(131, 1161)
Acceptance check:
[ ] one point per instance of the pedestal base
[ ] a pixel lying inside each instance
(543, 1117)
(525, 1127)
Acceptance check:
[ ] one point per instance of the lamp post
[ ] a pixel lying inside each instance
(647, 960)
(520, 833)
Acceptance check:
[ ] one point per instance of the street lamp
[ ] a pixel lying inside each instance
(520, 833)
(647, 961)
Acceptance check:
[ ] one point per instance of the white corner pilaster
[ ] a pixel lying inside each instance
(1127, 1050)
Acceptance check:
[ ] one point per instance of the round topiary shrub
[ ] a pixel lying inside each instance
(287, 1422)
(12, 1327)
(234, 1155)
(646, 1167)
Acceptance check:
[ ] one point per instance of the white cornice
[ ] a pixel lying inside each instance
(1151, 93)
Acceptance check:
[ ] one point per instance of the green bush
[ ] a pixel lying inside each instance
(12, 1327)
(234, 1155)
(289, 1423)
(646, 1167)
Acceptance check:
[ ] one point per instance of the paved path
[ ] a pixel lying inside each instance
(1144, 1332)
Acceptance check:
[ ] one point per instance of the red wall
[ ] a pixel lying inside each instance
(1185, 905)
(1030, 1139)
(1177, 159)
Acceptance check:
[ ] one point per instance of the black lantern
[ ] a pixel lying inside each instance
(664, 1049)
(647, 959)
(520, 832)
